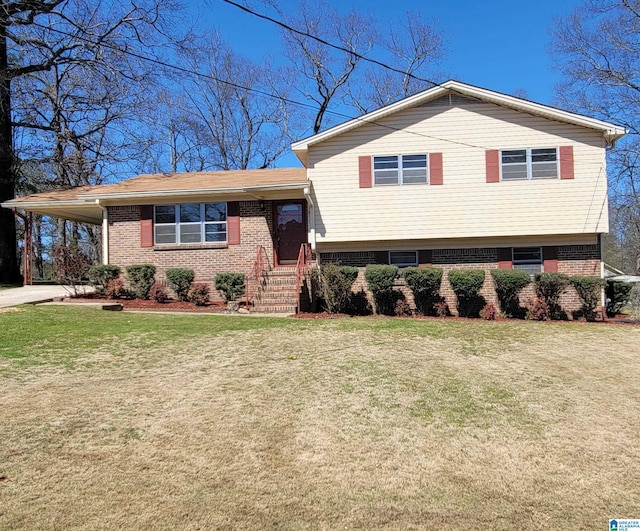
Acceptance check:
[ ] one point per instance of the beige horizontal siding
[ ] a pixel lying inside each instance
(465, 205)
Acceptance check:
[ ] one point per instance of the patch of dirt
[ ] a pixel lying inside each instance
(168, 306)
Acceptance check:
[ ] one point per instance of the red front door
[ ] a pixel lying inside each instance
(290, 230)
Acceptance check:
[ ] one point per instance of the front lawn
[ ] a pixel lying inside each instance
(132, 421)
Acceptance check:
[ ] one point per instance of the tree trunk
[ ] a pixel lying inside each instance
(9, 271)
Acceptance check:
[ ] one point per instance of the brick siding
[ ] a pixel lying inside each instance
(256, 228)
(572, 260)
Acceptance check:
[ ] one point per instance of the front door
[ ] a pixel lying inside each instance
(290, 230)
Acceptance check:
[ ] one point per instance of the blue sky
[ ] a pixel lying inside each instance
(496, 44)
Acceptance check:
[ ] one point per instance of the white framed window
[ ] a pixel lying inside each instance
(400, 169)
(190, 223)
(528, 259)
(530, 163)
(403, 258)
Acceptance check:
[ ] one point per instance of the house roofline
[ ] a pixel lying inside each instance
(611, 132)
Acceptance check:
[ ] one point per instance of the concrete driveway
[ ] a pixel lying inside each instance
(31, 294)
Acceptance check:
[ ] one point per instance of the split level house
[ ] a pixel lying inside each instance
(455, 176)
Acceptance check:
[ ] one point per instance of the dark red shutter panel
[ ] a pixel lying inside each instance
(493, 165)
(566, 162)
(233, 223)
(364, 165)
(550, 257)
(381, 257)
(435, 168)
(425, 258)
(505, 258)
(146, 226)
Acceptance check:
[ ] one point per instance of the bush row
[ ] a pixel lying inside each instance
(142, 284)
(336, 284)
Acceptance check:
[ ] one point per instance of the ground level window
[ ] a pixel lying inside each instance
(403, 258)
(528, 259)
(190, 223)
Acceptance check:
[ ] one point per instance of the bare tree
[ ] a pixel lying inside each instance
(598, 52)
(38, 37)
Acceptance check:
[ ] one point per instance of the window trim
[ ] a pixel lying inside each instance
(524, 263)
(400, 169)
(529, 164)
(403, 264)
(202, 223)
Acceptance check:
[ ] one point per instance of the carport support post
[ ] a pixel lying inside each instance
(105, 233)
(27, 251)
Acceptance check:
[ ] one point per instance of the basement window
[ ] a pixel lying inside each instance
(403, 258)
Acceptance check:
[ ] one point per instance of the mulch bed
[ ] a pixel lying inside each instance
(150, 305)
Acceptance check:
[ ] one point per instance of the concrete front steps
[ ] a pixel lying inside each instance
(278, 295)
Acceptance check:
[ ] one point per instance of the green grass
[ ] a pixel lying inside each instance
(134, 421)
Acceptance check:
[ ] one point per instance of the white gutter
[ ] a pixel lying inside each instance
(191, 192)
(105, 232)
(311, 217)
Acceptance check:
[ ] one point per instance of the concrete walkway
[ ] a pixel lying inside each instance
(31, 294)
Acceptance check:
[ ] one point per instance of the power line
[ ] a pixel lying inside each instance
(330, 44)
(259, 92)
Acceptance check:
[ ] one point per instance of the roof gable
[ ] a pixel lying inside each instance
(455, 93)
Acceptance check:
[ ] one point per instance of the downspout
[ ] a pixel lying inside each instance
(311, 217)
(105, 232)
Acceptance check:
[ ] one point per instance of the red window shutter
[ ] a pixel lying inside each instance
(381, 257)
(505, 258)
(146, 226)
(550, 257)
(493, 165)
(435, 168)
(566, 162)
(364, 164)
(425, 258)
(233, 223)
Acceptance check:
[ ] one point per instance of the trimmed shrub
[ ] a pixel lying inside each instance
(488, 312)
(230, 285)
(100, 275)
(380, 279)
(141, 278)
(335, 285)
(618, 295)
(199, 294)
(537, 309)
(424, 283)
(115, 289)
(158, 292)
(466, 284)
(590, 290)
(180, 280)
(549, 287)
(509, 283)
(70, 267)
(403, 309)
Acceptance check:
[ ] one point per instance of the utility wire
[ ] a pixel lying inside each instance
(248, 89)
(327, 43)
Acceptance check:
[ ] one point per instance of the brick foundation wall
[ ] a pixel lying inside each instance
(256, 228)
(572, 260)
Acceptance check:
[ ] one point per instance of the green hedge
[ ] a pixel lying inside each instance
(335, 285)
(180, 280)
(100, 275)
(380, 280)
(549, 287)
(618, 295)
(589, 290)
(141, 277)
(466, 284)
(230, 285)
(424, 283)
(508, 284)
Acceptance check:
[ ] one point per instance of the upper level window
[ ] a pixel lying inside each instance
(190, 223)
(400, 169)
(528, 259)
(403, 258)
(540, 163)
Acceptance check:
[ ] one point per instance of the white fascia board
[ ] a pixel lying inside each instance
(191, 192)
